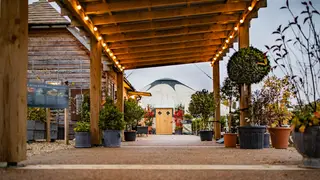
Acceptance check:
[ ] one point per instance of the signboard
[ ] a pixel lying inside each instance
(47, 96)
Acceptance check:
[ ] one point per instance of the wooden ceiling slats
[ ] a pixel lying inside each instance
(167, 33)
(161, 14)
(168, 46)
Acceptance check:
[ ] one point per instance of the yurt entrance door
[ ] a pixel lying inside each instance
(164, 121)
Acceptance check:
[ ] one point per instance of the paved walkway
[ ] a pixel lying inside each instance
(164, 157)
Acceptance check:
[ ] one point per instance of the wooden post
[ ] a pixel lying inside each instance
(48, 114)
(13, 80)
(95, 89)
(66, 126)
(120, 99)
(245, 90)
(216, 91)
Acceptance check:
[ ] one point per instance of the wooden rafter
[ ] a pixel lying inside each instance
(168, 13)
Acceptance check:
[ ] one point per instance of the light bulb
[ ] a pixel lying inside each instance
(114, 57)
(123, 68)
(117, 62)
(104, 45)
(99, 38)
(111, 54)
(236, 28)
(220, 52)
(95, 29)
(223, 47)
(217, 55)
(250, 8)
(215, 58)
(227, 41)
(78, 7)
(86, 18)
(231, 36)
(108, 50)
(241, 21)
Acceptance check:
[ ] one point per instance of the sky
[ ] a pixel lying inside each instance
(268, 20)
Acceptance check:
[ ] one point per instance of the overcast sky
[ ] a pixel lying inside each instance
(260, 34)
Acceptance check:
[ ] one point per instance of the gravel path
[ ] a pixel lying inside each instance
(43, 147)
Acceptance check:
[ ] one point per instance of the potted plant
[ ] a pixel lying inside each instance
(36, 123)
(133, 113)
(178, 116)
(296, 53)
(82, 134)
(202, 106)
(111, 122)
(249, 66)
(230, 93)
(148, 120)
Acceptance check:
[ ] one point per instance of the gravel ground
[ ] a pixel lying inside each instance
(43, 147)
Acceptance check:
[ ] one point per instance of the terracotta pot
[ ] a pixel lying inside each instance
(280, 137)
(230, 140)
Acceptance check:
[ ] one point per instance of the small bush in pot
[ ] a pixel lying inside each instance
(111, 122)
(202, 106)
(178, 117)
(133, 113)
(82, 134)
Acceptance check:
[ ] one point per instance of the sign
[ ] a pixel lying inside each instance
(47, 96)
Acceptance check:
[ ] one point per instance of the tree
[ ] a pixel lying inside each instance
(133, 113)
(202, 106)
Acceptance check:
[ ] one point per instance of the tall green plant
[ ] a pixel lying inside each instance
(202, 106)
(110, 117)
(36, 114)
(85, 108)
(133, 113)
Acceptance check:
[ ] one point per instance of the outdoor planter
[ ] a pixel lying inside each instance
(178, 131)
(206, 135)
(308, 145)
(130, 135)
(251, 137)
(142, 129)
(266, 140)
(37, 130)
(83, 140)
(112, 138)
(280, 137)
(230, 140)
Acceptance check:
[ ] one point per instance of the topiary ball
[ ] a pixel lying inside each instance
(248, 66)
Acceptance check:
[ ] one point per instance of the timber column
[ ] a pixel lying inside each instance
(120, 99)
(216, 92)
(95, 89)
(13, 80)
(245, 90)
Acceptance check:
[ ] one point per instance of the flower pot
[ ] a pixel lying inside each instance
(280, 137)
(83, 140)
(266, 143)
(251, 137)
(149, 129)
(142, 129)
(206, 135)
(112, 138)
(130, 135)
(308, 145)
(230, 140)
(178, 131)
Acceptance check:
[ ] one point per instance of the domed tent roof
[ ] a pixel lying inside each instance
(167, 93)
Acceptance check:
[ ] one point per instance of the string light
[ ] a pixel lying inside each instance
(223, 47)
(95, 29)
(250, 8)
(236, 28)
(241, 21)
(99, 38)
(117, 62)
(227, 41)
(108, 50)
(111, 54)
(114, 57)
(86, 18)
(217, 55)
(220, 52)
(214, 59)
(123, 68)
(78, 7)
(231, 36)
(104, 45)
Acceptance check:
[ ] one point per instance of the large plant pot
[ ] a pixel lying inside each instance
(83, 140)
(230, 140)
(130, 136)
(280, 137)
(266, 143)
(178, 131)
(308, 145)
(251, 137)
(112, 138)
(206, 135)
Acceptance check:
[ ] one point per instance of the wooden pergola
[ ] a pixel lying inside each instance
(133, 34)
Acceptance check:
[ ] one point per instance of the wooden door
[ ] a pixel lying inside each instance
(164, 121)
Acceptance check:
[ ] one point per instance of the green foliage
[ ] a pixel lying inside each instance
(223, 121)
(133, 113)
(196, 124)
(230, 90)
(248, 66)
(37, 114)
(82, 126)
(110, 117)
(202, 106)
(235, 121)
(85, 108)
(187, 117)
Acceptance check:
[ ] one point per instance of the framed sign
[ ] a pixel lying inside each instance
(47, 96)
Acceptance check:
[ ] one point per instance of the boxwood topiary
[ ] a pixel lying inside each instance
(248, 66)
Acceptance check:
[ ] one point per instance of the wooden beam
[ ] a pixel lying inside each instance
(217, 28)
(143, 26)
(48, 116)
(168, 40)
(13, 80)
(166, 57)
(167, 63)
(66, 126)
(95, 89)
(216, 91)
(165, 13)
(167, 52)
(245, 90)
(102, 8)
(168, 46)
